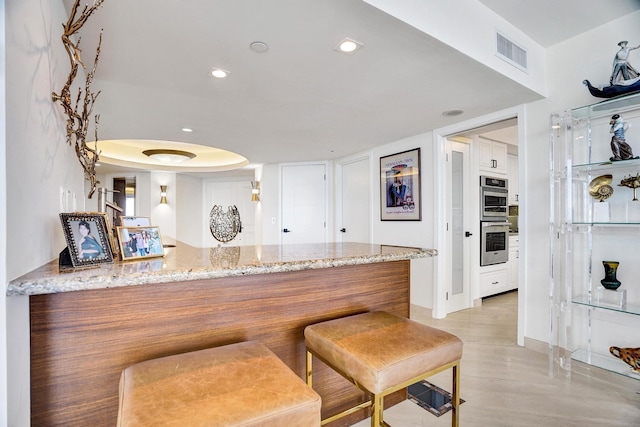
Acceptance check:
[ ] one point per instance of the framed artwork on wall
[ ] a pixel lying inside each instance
(400, 193)
(88, 238)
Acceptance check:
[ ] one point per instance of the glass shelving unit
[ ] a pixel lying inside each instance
(585, 318)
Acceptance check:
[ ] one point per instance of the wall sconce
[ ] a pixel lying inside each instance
(255, 191)
(163, 194)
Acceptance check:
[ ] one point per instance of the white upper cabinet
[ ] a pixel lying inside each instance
(492, 156)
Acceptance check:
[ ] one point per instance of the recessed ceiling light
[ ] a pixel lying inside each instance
(259, 47)
(452, 113)
(219, 73)
(187, 130)
(348, 46)
(169, 156)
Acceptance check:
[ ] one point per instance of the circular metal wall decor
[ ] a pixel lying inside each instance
(224, 226)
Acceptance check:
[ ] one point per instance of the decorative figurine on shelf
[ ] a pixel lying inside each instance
(624, 78)
(621, 64)
(600, 189)
(630, 356)
(610, 280)
(619, 147)
(631, 182)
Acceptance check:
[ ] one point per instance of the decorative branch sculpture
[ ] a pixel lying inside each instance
(79, 114)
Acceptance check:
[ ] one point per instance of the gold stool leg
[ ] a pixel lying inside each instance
(376, 410)
(455, 396)
(308, 373)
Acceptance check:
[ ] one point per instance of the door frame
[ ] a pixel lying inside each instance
(439, 154)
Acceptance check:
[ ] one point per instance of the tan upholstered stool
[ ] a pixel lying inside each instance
(382, 353)
(241, 384)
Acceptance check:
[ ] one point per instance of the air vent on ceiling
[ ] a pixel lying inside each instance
(511, 52)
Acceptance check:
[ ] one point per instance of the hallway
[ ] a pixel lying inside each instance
(505, 385)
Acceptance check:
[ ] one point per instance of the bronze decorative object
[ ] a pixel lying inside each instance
(600, 189)
(631, 182)
(79, 112)
(630, 356)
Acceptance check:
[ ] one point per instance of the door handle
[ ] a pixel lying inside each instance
(286, 230)
(467, 234)
(343, 230)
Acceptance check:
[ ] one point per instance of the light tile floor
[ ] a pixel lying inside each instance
(505, 385)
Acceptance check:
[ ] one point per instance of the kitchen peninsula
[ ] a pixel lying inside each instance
(87, 325)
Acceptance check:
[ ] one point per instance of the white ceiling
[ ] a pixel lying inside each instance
(300, 100)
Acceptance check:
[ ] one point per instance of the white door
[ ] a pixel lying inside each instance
(304, 204)
(356, 196)
(458, 220)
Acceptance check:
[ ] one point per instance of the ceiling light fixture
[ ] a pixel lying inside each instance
(259, 47)
(219, 73)
(348, 46)
(452, 113)
(187, 130)
(169, 156)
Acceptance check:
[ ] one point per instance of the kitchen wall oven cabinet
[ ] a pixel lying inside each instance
(595, 218)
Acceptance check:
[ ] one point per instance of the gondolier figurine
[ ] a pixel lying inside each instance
(621, 64)
(619, 147)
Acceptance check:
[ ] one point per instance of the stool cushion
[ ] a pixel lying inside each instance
(241, 384)
(380, 350)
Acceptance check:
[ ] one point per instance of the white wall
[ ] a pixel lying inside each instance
(38, 163)
(190, 228)
(162, 215)
(3, 226)
(270, 204)
(588, 56)
(470, 27)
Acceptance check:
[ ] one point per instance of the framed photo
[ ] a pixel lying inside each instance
(88, 238)
(140, 242)
(135, 221)
(400, 193)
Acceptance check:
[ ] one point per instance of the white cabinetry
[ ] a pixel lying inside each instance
(586, 318)
(514, 259)
(494, 279)
(492, 156)
(514, 184)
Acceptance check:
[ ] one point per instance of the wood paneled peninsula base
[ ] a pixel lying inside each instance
(88, 325)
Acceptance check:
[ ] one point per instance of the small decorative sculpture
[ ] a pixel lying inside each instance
(225, 226)
(624, 78)
(630, 356)
(619, 147)
(610, 280)
(600, 189)
(621, 64)
(631, 182)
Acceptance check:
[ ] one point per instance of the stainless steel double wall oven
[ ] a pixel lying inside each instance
(494, 226)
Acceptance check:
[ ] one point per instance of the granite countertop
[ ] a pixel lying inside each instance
(183, 263)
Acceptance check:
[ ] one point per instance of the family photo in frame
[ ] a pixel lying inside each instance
(88, 238)
(400, 195)
(140, 242)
